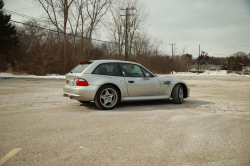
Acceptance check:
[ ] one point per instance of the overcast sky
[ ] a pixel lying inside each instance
(222, 27)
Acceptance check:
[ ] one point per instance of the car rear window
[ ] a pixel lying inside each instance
(79, 68)
(110, 69)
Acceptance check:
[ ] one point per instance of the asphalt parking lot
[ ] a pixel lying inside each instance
(40, 127)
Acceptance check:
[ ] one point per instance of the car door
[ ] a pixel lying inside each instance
(109, 73)
(137, 84)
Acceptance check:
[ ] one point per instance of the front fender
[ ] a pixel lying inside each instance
(185, 87)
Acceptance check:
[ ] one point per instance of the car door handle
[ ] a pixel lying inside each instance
(166, 82)
(131, 82)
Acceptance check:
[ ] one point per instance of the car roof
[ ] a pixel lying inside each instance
(118, 61)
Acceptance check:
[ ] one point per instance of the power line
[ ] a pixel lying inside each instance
(23, 15)
(32, 2)
(28, 17)
(40, 20)
(61, 32)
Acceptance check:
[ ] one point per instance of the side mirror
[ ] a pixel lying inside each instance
(147, 76)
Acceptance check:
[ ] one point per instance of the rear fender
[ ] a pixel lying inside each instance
(117, 87)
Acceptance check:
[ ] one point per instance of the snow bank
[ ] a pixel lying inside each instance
(56, 76)
(200, 74)
(48, 76)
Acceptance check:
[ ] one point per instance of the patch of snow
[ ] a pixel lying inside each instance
(48, 76)
(200, 74)
(56, 76)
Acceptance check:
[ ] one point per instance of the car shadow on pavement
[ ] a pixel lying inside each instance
(151, 105)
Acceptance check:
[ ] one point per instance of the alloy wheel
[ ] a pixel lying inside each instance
(108, 97)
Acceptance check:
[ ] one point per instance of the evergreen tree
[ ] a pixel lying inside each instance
(8, 36)
(188, 55)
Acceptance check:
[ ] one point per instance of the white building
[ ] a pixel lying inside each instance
(215, 67)
(246, 69)
(217, 71)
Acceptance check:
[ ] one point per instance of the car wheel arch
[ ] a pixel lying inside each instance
(185, 90)
(111, 85)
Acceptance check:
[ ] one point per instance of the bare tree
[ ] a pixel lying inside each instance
(96, 9)
(137, 19)
(78, 17)
(115, 24)
(78, 26)
(142, 43)
(55, 9)
(85, 16)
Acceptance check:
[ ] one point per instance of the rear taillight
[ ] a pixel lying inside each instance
(81, 82)
(66, 81)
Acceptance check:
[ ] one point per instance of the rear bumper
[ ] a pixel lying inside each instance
(83, 93)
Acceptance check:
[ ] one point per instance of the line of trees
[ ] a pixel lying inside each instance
(75, 22)
(40, 51)
(236, 61)
(232, 63)
(8, 38)
(206, 59)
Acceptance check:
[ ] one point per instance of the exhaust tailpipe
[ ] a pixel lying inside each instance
(65, 95)
(72, 97)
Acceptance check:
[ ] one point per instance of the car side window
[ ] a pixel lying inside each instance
(145, 71)
(131, 70)
(110, 69)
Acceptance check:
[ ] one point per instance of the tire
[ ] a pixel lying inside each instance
(107, 97)
(177, 94)
(84, 102)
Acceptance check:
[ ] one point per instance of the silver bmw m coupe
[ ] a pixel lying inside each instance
(108, 82)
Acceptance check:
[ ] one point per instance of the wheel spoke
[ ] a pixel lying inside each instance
(107, 92)
(108, 97)
(105, 102)
(111, 96)
(103, 97)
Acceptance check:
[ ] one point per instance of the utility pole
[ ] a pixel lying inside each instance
(172, 57)
(199, 60)
(231, 65)
(126, 30)
(126, 39)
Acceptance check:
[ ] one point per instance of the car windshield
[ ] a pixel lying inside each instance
(79, 68)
